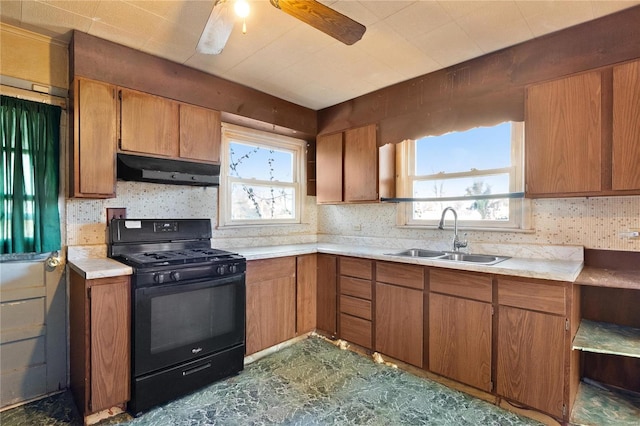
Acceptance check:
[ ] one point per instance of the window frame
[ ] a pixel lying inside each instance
(265, 140)
(519, 208)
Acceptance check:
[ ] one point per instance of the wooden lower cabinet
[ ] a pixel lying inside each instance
(327, 294)
(355, 301)
(531, 359)
(399, 324)
(306, 290)
(460, 327)
(100, 335)
(271, 302)
(533, 344)
(460, 339)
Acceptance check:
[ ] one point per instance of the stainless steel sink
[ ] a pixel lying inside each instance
(414, 252)
(484, 259)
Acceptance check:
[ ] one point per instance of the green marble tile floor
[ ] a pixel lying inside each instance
(309, 383)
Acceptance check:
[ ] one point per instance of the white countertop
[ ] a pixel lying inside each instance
(102, 267)
(560, 270)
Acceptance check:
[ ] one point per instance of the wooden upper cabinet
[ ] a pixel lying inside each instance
(348, 167)
(149, 124)
(200, 133)
(94, 137)
(329, 158)
(361, 164)
(563, 141)
(626, 127)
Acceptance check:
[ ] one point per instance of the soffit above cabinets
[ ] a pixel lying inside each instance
(284, 57)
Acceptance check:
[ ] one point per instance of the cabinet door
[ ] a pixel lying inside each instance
(148, 124)
(306, 282)
(271, 302)
(94, 140)
(329, 168)
(110, 344)
(361, 164)
(200, 133)
(460, 339)
(327, 302)
(626, 131)
(531, 358)
(564, 136)
(399, 323)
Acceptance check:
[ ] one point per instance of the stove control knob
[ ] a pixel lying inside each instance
(159, 278)
(233, 268)
(221, 270)
(175, 276)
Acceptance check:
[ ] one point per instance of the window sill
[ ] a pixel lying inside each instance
(259, 225)
(470, 228)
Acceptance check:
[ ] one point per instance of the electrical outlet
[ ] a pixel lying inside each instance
(631, 233)
(116, 213)
(357, 227)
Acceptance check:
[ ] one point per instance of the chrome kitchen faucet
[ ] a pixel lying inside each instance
(457, 244)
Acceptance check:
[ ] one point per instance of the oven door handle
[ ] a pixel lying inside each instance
(170, 288)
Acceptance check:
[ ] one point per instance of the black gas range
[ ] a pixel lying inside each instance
(188, 307)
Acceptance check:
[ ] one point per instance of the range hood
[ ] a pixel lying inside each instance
(160, 170)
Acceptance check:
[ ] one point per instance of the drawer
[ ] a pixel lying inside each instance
(355, 330)
(532, 295)
(357, 307)
(355, 287)
(463, 284)
(396, 273)
(268, 269)
(354, 267)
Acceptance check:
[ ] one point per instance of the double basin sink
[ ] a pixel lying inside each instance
(482, 259)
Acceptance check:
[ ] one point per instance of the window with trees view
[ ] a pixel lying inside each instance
(478, 172)
(262, 177)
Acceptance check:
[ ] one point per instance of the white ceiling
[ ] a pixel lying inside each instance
(283, 57)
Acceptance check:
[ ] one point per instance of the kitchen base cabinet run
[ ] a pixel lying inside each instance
(99, 325)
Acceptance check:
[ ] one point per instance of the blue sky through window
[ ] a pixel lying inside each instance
(481, 148)
(253, 162)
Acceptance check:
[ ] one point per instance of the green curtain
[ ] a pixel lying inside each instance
(29, 220)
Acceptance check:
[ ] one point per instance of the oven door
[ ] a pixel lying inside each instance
(179, 322)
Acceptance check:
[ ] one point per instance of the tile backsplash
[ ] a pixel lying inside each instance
(590, 222)
(594, 223)
(86, 219)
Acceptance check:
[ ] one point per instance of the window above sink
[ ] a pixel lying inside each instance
(479, 172)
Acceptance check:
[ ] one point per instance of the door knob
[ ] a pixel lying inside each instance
(54, 260)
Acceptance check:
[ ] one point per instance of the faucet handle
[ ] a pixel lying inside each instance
(461, 244)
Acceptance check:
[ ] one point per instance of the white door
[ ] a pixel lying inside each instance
(33, 338)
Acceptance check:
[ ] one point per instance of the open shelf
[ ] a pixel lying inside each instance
(606, 338)
(598, 405)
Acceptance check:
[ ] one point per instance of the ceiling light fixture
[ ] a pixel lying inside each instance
(242, 9)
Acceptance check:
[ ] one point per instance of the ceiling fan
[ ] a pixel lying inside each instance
(220, 23)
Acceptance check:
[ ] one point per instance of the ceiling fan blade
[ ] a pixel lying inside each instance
(323, 18)
(217, 30)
